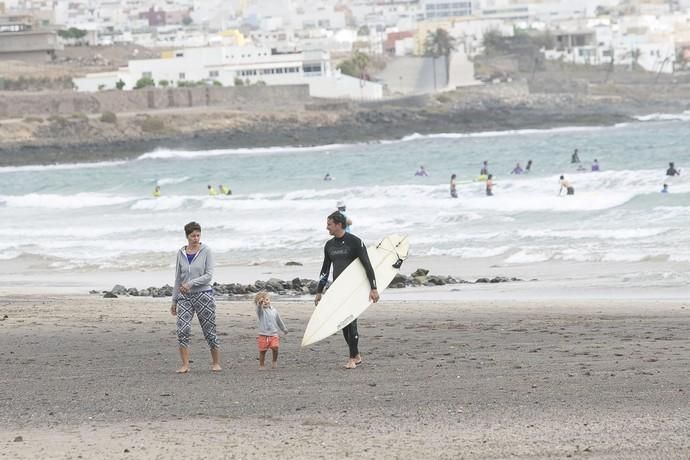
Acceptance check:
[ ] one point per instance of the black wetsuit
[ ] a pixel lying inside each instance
(341, 252)
(672, 171)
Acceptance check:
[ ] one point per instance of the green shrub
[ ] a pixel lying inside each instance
(163, 83)
(239, 81)
(152, 125)
(108, 117)
(144, 82)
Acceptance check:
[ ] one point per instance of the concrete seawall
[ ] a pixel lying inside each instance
(245, 98)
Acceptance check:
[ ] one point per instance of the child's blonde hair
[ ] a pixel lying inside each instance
(261, 295)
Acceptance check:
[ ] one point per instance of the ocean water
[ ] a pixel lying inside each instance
(103, 216)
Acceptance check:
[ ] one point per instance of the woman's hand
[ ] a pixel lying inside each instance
(173, 309)
(185, 288)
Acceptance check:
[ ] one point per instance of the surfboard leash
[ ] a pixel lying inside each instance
(400, 260)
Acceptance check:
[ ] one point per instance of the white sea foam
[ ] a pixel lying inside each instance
(172, 180)
(162, 154)
(76, 201)
(59, 167)
(518, 132)
(684, 116)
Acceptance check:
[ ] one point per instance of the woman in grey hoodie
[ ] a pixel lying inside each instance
(193, 294)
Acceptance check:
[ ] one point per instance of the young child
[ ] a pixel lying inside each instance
(269, 326)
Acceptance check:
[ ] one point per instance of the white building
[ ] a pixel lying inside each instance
(231, 65)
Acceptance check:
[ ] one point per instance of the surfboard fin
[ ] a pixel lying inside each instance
(398, 263)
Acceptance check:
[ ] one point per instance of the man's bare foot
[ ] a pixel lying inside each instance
(274, 365)
(358, 360)
(351, 364)
(216, 368)
(183, 370)
(262, 367)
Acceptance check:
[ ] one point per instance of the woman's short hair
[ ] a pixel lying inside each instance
(339, 218)
(190, 227)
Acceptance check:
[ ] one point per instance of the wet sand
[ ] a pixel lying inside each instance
(86, 377)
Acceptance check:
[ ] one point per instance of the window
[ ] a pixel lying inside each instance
(181, 76)
(213, 73)
(146, 75)
(179, 54)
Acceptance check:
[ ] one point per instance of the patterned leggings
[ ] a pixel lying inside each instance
(205, 307)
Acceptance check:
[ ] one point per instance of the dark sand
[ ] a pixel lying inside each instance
(85, 377)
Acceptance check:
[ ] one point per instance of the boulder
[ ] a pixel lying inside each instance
(420, 272)
(109, 295)
(119, 289)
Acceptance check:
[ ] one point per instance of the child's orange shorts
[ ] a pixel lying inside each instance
(264, 342)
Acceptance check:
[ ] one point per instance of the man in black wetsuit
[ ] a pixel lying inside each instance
(340, 251)
(672, 171)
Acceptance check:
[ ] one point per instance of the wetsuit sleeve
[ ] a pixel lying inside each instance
(325, 271)
(176, 289)
(208, 271)
(364, 258)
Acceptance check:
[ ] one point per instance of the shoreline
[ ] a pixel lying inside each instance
(85, 139)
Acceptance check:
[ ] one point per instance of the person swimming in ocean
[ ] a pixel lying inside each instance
(595, 165)
(489, 185)
(453, 186)
(517, 169)
(224, 190)
(575, 158)
(665, 189)
(328, 177)
(565, 185)
(528, 168)
(211, 190)
(157, 191)
(672, 171)
(421, 171)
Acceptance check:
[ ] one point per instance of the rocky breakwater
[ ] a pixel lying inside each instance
(298, 286)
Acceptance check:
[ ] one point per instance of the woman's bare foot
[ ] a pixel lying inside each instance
(274, 365)
(351, 364)
(183, 370)
(358, 360)
(262, 367)
(216, 368)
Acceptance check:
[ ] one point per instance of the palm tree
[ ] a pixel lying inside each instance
(437, 44)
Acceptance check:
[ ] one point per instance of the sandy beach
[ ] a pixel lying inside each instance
(87, 377)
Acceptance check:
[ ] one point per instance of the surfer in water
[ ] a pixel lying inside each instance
(340, 251)
(453, 186)
(565, 185)
(672, 171)
(575, 158)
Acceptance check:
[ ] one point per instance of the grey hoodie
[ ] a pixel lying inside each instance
(199, 273)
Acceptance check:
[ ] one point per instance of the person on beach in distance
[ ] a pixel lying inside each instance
(193, 294)
(664, 189)
(421, 171)
(340, 205)
(270, 326)
(340, 251)
(517, 169)
(211, 190)
(575, 158)
(565, 185)
(595, 165)
(672, 171)
(157, 191)
(490, 185)
(453, 187)
(328, 177)
(528, 168)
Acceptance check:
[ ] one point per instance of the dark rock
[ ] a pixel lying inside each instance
(18, 439)
(436, 280)
(119, 289)
(400, 278)
(109, 295)
(293, 263)
(133, 291)
(499, 279)
(482, 280)
(296, 284)
(420, 272)
(93, 291)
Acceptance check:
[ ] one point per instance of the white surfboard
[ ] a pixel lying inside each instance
(348, 296)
